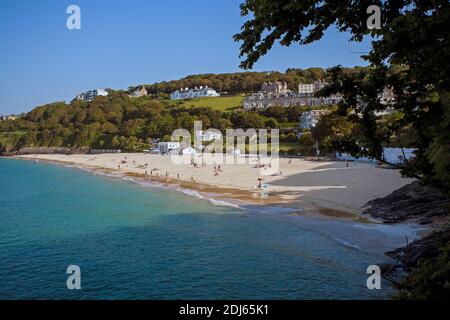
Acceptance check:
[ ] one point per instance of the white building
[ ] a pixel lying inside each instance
(310, 88)
(275, 87)
(11, 117)
(167, 147)
(92, 94)
(391, 155)
(309, 119)
(208, 135)
(197, 92)
(139, 93)
(306, 88)
(268, 97)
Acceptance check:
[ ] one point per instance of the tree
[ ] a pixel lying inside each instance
(307, 144)
(271, 123)
(331, 130)
(430, 280)
(409, 54)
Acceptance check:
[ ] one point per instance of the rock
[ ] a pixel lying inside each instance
(427, 248)
(413, 201)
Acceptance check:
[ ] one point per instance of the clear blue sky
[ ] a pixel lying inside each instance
(130, 42)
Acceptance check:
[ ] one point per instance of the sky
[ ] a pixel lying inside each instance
(130, 42)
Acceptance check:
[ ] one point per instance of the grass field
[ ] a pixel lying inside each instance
(216, 103)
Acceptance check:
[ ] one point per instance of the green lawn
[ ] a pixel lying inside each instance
(216, 103)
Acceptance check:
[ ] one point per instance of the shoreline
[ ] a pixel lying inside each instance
(390, 236)
(96, 207)
(303, 200)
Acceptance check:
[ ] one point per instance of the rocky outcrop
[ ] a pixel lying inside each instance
(413, 201)
(423, 205)
(425, 248)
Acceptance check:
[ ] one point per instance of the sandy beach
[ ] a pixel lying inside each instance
(326, 187)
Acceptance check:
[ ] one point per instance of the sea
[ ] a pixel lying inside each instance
(131, 239)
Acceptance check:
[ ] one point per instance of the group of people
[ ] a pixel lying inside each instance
(217, 170)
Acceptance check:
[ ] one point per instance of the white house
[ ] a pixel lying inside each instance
(208, 135)
(306, 88)
(139, 93)
(310, 88)
(197, 92)
(275, 87)
(9, 117)
(92, 94)
(309, 119)
(166, 147)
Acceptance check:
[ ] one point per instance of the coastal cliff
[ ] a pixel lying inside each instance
(412, 201)
(427, 258)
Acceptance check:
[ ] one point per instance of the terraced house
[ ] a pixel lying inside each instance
(277, 94)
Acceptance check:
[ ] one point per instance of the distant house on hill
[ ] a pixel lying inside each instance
(310, 88)
(91, 94)
(277, 94)
(139, 93)
(274, 88)
(306, 88)
(309, 119)
(9, 117)
(197, 92)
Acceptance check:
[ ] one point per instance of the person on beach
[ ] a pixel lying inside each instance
(259, 183)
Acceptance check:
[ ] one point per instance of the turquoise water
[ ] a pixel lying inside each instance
(142, 242)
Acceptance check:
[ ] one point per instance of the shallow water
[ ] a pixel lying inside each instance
(141, 241)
